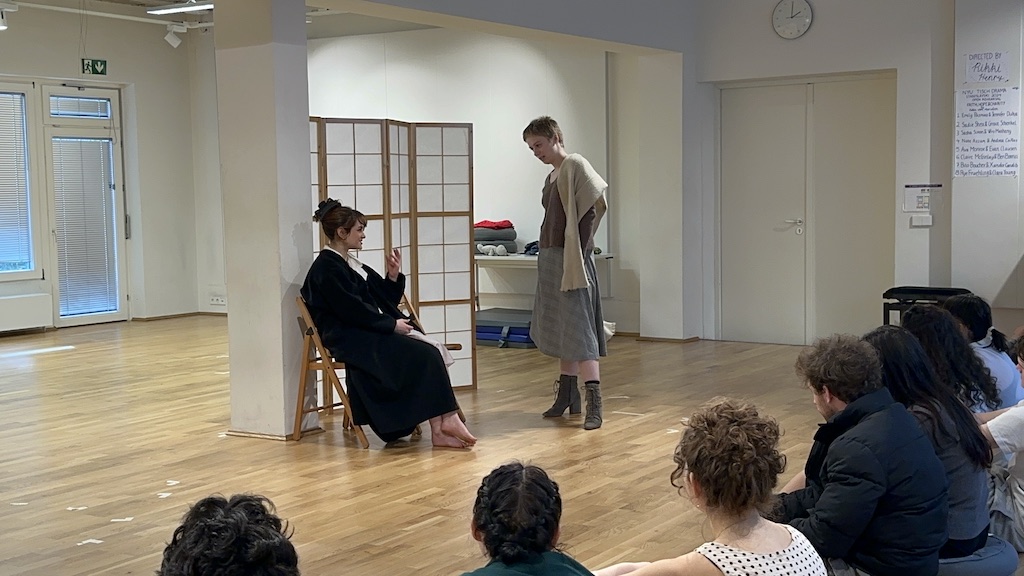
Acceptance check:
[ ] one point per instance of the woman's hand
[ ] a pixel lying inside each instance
(403, 327)
(394, 264)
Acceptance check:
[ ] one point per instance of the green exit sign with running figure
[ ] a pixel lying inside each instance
(93, 66)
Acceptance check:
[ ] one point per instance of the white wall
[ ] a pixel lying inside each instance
(498, 84)
(157, 141)
(988, 237)
(914, 38)
(210, 271)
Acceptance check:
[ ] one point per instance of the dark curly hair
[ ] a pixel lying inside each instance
(956, 365)
(332, 217)
(237, 537)
(976, 315)
(908, 374)
(847, 365)
(517, 511)
(733, 453)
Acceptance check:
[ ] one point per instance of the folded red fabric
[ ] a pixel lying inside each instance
(499, 225)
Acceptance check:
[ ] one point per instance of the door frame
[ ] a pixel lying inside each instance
(104, 129)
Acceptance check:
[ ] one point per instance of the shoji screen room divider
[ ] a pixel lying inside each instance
(414, 183)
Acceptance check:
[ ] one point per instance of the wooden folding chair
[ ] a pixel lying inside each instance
(315, 357)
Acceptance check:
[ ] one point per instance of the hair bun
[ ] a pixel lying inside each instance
(324, 207)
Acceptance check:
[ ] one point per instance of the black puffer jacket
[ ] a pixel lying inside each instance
(876, 492)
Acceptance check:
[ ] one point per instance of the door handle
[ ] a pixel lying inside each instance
(797, 221)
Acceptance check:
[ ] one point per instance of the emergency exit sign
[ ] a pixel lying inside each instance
(93, 66)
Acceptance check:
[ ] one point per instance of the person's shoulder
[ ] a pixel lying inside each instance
(575, 160)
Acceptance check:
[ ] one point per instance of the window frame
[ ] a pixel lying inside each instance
(37, 215)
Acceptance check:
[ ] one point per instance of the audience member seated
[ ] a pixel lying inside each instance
(1017, 353)
(396, 377)
(237, 537)
(1005, 433)
(958, 368)
(875, 495)
(955, 435)
(727, 464)
(515, 519)
(990, 345)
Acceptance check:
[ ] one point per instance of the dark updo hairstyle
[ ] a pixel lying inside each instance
(733, 453)
(976, 315)
(956, 365)
(908, 374)
(516, 513)
(332, 217)
(545, 127)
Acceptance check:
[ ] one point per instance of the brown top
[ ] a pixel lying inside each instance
(552, 229)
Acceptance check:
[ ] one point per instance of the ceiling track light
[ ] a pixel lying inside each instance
(172, 34)
(6, 7)
(190, 6)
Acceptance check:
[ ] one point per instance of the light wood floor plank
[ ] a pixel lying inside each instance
(107, 424)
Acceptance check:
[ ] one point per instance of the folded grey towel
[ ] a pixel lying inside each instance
(509, 246)
(489, 235)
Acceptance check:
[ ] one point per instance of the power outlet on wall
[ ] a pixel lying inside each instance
(218, 301)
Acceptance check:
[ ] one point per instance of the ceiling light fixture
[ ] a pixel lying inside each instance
(172, 34)
(190, 6)
(6, 7)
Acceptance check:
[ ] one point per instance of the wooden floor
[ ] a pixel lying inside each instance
(112, 439)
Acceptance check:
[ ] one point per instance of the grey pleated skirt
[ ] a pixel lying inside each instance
(567, 325)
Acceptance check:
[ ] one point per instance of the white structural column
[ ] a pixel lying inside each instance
(263, 111)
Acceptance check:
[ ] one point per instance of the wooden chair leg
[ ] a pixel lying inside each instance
(300, 402)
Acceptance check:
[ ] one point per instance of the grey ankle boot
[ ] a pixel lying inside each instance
(593, 419)
(567, 396)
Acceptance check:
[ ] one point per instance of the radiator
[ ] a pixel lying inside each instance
(26, 311)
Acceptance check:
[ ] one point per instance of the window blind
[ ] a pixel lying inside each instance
(15, 214)
(85, 210)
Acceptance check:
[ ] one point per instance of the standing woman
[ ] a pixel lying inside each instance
(396, 377)
(567, 319)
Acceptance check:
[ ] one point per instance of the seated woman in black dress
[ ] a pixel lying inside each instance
(395, 378)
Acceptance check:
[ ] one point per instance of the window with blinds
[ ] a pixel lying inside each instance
(85, 215)
(15, 214)
(74, 107)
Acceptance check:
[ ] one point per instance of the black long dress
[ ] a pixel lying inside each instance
(394, 382)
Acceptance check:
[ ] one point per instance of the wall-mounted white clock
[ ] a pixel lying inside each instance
(791, 18)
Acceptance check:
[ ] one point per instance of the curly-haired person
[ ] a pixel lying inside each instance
(237, 537)
(875, 498)
(728, 464)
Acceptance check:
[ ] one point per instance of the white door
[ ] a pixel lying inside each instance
(853, 184)
(87, 232)
(807, 208)
(763, 182)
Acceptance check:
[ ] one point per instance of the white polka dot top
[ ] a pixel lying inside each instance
(797, 559)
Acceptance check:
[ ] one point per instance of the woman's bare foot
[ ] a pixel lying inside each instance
(451, 425)
(442, 440)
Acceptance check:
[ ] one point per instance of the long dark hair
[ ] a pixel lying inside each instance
(517, 511)
(955, 363)
(908, 374)
(976, 315)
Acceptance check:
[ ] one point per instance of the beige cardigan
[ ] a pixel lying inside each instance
(580, 187)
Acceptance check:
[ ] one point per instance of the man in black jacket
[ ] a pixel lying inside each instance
(875, 495)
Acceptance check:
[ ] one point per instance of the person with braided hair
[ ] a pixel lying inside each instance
(396, 376)
(727, 464)
(515, 519)
(237, 537)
